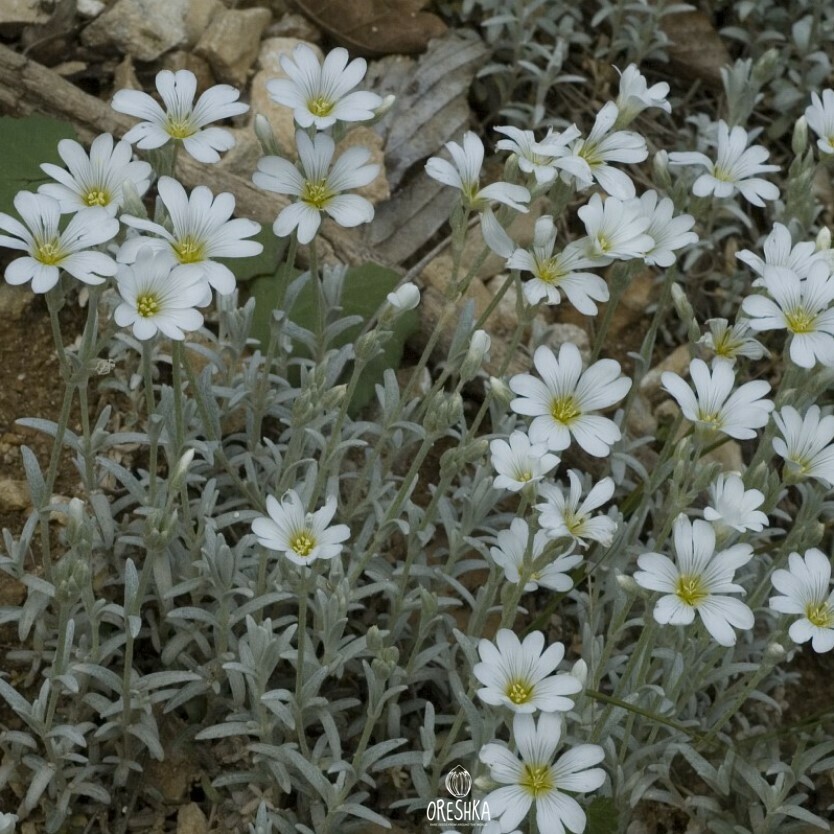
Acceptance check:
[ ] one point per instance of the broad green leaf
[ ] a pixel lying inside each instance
(364, 292)
(26, 144)
(602, 816)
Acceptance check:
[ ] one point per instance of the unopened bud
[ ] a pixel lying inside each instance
(263, 130)
(382, 110)
(660, 168)
(181, 470)
(579, 670)
(799, 140)
(406, 297)
(628, 584)
(131, 201)
(823, 241)
(367, 346)
(500, 391)
(685, 311)
(475, 355)
(775, 652)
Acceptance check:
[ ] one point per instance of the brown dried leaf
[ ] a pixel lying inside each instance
(695, 49)
(375, 27)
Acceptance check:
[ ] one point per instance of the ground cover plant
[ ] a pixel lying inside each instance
(549, 566)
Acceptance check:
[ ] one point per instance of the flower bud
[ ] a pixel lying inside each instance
(8, 823)
(181, 470)
(406, 297)
(774, 653)
(823, 241)
(579, 670)
(660, 169)
(500, 391)
(131, 201)
(628, 584)
(263, 130)
(367, 346)
(799, 140)
(475, 355)
(334, 397)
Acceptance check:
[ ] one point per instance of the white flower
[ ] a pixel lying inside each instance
(465, 175)
(8, 823)
(552, 273)
(735, 170)
(519, 462)
(799, 306)
(805, 444)
(318, 186)
(698, 581)
(97, 179)
(733, 506)
(512, 548)
(404, 298)
(301, 536)
(728, 343)
(564, 516)
(201, 231)
(182, 120)
(602, 147)
(319, 94)
(714, 406)
(535, 777)
(159, 295)
(820, 117)
(561, 401)
(48, 250)
(616, 229)
(544, 159)
(635, 95)
(806, 586)
(780, 251)
(519, 676)
(668, 233)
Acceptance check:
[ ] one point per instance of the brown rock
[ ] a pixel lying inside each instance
(243, 158)
(696, 51)
(15, 14)
(14, 300)
(124, 76)
(230, 44)
(14, 494)
(191, 820)
(200, 15)
(676, 362)
(182, 60)
(294, 26)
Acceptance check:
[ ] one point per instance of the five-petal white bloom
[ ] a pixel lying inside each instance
(735, 170)
(532, 776)
(820, 117)
(561, 401)
(805, 444)
(616, 229)
(569, 517)
(159, 295)
(800, 306)
(319, 94)
(519, 675)
(779, 250)
(714, 406)
(562, 271)
(182, 120)
(519, 462)
(465, 175)
(201, 230)
(301, 536)
(510, 554)
(544, 159)
(698, 581)
(317, 186)
(729, 342)
(49, 250)
(732, 506)
(806, 589)
(97, 179)
(669, 233)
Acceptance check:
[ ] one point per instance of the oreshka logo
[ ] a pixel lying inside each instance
(460, 811)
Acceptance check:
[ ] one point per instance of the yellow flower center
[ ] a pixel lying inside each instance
(180, 128)
(723, 174)
(302, 543)
(691, 590)
(316, 193)
(549, 272)
(565, 409)
(147, 305)
(820, 614)
(713, 419)
(519, 691)
(800, 320)
(574, 522)
(524, 477)
(97, 197)
(188, 250)
(590, 153)
(726, 347)
(50, 253)
(320, 106)
(537, 780)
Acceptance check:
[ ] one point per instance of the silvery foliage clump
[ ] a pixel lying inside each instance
(338, 611)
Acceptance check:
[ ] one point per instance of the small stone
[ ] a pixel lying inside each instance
(294, 26)
(728, 455)
(230, 44)
(14, 300)
(638, 296)
(243, 158)
(563, 333)
(362, 136)
(90, 8)
(677, 362)
(640, 421)
(14, 494)
(69, 68)
(14, 14)
(279, 116)
(124, 76)
(201, 13)
(145, 29)
(191, 820)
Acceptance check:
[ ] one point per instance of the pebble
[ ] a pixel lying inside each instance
(14, 494)
(230, 43)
